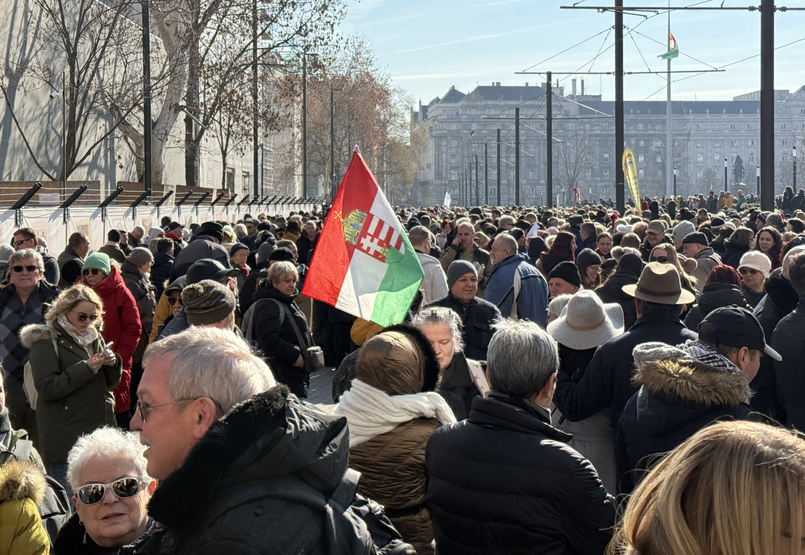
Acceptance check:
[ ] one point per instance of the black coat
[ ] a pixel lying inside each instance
(715, 295)
(503, 481)
(278, 342)
(673, 403)
(780, 300)
(733, 253)
(161, 272)
(477, 317)
(256, 465)
(789, 341)
(457, 387)
(607, 382)
(612, 292)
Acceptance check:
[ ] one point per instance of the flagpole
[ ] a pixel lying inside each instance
(669, 144)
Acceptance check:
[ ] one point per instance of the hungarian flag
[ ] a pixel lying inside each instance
(673, 49)
(363, 263)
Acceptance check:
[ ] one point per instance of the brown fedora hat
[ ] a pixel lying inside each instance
(659, 283)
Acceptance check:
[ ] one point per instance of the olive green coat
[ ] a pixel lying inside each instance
(72, 400)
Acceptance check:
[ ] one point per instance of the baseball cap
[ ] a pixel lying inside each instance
(174, 225)
(757, 261)
(734, 326)
(656, 227)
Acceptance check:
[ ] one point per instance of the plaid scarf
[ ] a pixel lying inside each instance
(704, 354)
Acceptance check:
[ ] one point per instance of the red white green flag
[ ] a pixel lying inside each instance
(363, 263)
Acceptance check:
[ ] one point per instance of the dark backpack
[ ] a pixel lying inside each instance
(350, 517)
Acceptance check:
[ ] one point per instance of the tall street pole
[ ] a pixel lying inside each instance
(255, 131)
(486, 175)
(477, 186)
(497, 173)
(767, 104)
(517, 156)
(304, 126)
(725, 175)
(794, 157)
(669, 144)
(549, 139)
(332, 143)
(619, 193)
(146, 95)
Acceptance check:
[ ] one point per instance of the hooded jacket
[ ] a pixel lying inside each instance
(434, 284)
(72, 399)
(532, 299)
(257, 482)
(612, 292)
(121, 324)
(504, 482)
(22, 488)
(69, 267)
(678, 396)
(393, 464)
(780, 300)
(715, 295)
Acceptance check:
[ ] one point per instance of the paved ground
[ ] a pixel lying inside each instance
(320, 391)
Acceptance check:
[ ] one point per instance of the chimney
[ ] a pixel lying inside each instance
(582, 86)
(574, 86)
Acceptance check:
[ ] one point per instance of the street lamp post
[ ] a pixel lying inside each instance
(674, 182)
(794, 154)
(757, 171)
(725, 175)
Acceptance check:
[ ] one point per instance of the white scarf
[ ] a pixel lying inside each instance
(84, 339)
(371, 412)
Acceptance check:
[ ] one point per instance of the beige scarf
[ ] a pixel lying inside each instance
(84, 339)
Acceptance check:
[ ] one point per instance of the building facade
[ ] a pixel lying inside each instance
(459, 127)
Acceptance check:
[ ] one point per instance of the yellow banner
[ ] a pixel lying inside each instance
(630, 175)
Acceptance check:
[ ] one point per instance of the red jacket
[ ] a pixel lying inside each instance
(121, 324)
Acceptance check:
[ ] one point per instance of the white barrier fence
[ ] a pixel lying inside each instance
(52, 224)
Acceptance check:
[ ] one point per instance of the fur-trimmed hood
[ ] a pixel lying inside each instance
(265, 444)
(34, 333)
(22, 480)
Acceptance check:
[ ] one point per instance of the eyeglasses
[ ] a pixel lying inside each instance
(660, 259)
(92, 494)
(145, 408)
(19, 269)
(84, 317)
(93, 271)
(174, 300)
(19, 242)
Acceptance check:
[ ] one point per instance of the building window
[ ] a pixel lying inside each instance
(749, 127)
(454, 174)
(700, 158)
(751, 157)
(716, 143)
(659, 159)
(606, 174)
(751, 142)
(452, 127)
(532, 175)
(639, 157)
(698, 142)
(453, 143)
(734, 143)
(716, 156)
(453, 159)
(784, 142)
(642, 143)
(605, 126)
(641, 174)
(473, 112)
(782, 126)
(732, 127)
(639, 126)
(698, 127)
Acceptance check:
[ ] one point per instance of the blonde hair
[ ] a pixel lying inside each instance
(72, 297)
(734, 488)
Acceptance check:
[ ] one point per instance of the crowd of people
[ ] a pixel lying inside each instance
(567, 380)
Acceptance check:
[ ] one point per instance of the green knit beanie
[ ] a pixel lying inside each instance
(98, 260)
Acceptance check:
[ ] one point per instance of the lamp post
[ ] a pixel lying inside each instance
(674, 182)
(757, 171)
(725, 175)
(794, 159)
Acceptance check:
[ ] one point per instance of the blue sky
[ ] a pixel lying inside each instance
(429, 45)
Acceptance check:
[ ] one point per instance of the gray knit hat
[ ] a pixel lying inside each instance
(457, 269)
(140, 256)
(207, 302)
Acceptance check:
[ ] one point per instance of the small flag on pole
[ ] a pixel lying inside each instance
(673, 49)
(447, 199)
(363, 263)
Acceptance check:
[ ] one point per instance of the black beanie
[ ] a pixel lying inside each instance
(567, 271)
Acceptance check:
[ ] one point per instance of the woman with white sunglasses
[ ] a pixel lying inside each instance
(74, 373)
(107, 472)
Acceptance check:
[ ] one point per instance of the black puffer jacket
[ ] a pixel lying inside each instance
(607, 382)
(733, 253)
(255, 465)
(612, 292)
(503, 481)
(715, 295)
(161, 272)
(676, 399)
(477, 317)
(790, 373)
(780, 300)
(278, 342)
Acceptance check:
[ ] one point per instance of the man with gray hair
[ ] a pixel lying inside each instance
(515, 286)
(504, 481)
(243, 467)
(434, 284)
